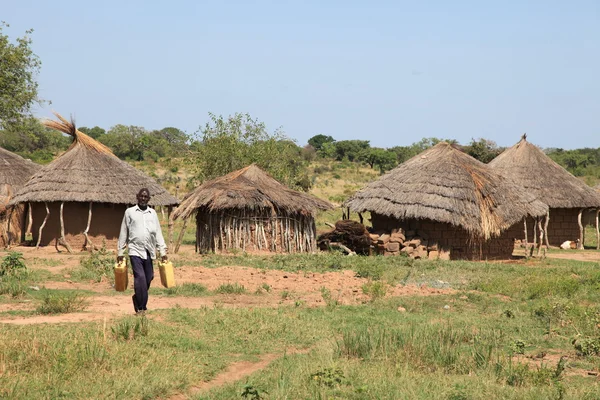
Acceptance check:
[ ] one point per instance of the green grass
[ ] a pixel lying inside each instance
(186, 290)
(231, 288)
(474, 343)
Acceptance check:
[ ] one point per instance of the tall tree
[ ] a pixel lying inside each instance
(318, 141)
(239, 140)
(95, 132)
(19, 67)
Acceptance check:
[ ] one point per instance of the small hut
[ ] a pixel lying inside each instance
(78, 200)
(566, 196)
(14, 172)
(249, 210)
(457, 203)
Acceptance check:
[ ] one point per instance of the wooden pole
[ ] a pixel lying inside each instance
(541, 241)
(546, 228)
(29, 221)
(180, 237)
(8, 234)
(42, 226)
(581, 238)
(170, 228)
(88, 245)
(534, 245)
(63, 240)
(525, 229)
(597, 230)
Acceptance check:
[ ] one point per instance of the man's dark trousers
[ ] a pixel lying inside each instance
(143, 273)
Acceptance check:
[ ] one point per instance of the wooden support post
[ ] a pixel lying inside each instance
(42, 226)
(546, 228)
(8, 234)
(360, 217)
(541, 241)
(534, 244)
(62, 240)
(170, 229)
(29, 221)
(597, 229)
(88, 245)
(181, 233)
(526, 238)
(581, 234)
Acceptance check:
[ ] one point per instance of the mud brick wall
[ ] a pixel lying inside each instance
(450, 238)
(105, 226)
(563, 226)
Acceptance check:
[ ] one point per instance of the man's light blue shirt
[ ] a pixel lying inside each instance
(140, 231)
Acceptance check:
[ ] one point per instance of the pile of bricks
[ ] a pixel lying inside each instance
(411, 243)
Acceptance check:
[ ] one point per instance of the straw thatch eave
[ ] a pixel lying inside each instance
(14, 173)
(446, 185)
(249, 188)
(89, 172)
(528, 166)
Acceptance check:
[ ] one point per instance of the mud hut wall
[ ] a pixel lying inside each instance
(262, 230)
(105, 226)
(453, 239)
(17, 226)
(563, 226)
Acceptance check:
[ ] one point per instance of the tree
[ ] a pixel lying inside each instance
(350, 149)
(19, 67)
(231, 143)
(382, 158)
(33, 140)
(176, 140)
(483, 150)
(95, 132)
(318, 141)
(126, 141)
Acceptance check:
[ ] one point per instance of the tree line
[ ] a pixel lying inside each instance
(222, 145)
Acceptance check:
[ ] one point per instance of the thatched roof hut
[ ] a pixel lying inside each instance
(249, 210)
(528, 166)
(14, 172)
(87, 173)
(452, 199)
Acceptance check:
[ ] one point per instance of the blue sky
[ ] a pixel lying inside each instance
(391, 72)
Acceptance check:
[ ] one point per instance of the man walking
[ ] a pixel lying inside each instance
(140, 231)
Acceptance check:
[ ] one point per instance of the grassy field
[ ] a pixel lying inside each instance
(527, 329)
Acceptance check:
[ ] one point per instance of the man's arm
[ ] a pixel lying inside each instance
(123, 236)
(160, 240)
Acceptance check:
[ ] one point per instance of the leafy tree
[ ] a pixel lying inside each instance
(175, 139)
(18, 86)
(350, 149)
(483, 150)
(33, 140)
(95, 132)
(384, 159)
(239, 140)
(318, 141)
(126, 141)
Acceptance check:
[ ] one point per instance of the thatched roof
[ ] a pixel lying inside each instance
(89, 172)
(446, 185)
(248, 188)
(528, 166)
(14, 172)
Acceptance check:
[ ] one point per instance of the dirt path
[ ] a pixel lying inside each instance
(264, 288)
(235, 372)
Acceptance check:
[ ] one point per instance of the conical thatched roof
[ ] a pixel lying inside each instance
(446, 185)
(528, 166)
(89, 172)
(248, 188)
(14, 172)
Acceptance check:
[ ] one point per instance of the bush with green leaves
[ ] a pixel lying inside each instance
(13, 264)
(56, 302)
(96, 266)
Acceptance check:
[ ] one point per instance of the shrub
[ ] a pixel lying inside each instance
(61, 302)
(130, 328)
(229, 288)
(375, 290)
(13, 265)
(97, 266)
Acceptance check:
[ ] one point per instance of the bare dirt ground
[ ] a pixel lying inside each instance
(276, 288)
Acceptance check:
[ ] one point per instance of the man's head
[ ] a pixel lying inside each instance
(143, 197)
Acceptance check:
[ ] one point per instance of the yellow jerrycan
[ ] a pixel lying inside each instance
(167, 274)
(121, 276)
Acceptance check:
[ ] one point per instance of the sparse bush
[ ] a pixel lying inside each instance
(96, 266)
(13, 264)
(187, 289)
(375, 290)
(229, 288)
(328, 377)
(61, 303)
